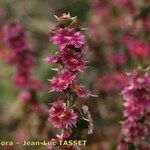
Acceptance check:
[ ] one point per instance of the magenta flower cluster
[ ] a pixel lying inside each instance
(61, 116)
(71, 43)
(137, 48)
(63, 113)
(63, 37)
(21, 55)
(135, 127)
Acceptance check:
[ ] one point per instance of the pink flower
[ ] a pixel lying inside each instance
(71, 42)
(58, 84)
(21, 55)
(135, 128)
(57, 108)
(61, 116)
(136, 48)
(62, 81)
(131, 110)
(73, 62)
(65, 37)
(137, 96)
(134, 132)
(139, 49)
(67, 75)
(138, 88)
(15, 37)
(140, 80)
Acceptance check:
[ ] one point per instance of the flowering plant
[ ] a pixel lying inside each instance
(23, 58)
(21, 55)
(64, 113)
(135, 127)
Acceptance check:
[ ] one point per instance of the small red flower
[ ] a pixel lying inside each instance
(66, 36)
(139, 49)
(15, 37)
(61, 116)
(73, 62)
(62, 81)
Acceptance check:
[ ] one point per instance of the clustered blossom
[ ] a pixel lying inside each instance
(117, 54)
(64, 37)
(63, 113)
(139, 49)
(21, 55)
(61, 116)
(136, 48)
(62, 81)
(135, 127)
(15, 37)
